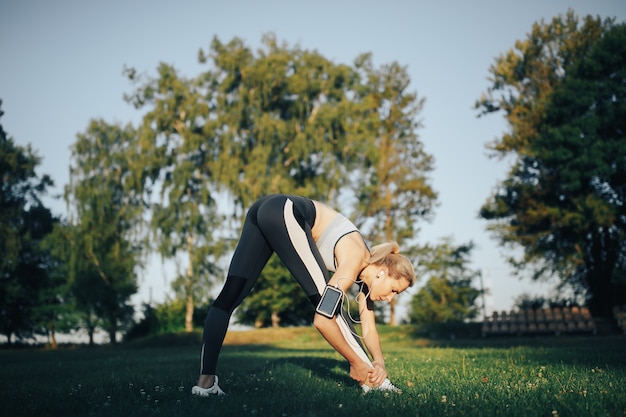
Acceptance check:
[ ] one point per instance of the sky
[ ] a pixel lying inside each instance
(63, 60)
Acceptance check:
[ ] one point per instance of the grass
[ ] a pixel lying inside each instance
(293, 372)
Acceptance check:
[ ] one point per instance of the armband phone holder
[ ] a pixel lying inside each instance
(328, 305)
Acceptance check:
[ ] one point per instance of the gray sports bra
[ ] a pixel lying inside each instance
(338, 228)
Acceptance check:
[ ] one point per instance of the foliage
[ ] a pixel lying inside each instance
(165, 318)
(563, 93)
(282, 118)
(175, 154)
(448, 296)
(105, 220)
(68, 318)
(526, 301)
(26, 288)
(391, 184)
(54, 310)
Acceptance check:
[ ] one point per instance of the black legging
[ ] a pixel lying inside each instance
(276, 223)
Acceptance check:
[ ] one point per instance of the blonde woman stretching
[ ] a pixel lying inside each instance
(311, 239)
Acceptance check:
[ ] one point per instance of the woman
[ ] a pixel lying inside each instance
(311, 239)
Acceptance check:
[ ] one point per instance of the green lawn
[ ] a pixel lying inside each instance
(293, 372)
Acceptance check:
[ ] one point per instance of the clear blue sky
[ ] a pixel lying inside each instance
(62, 66)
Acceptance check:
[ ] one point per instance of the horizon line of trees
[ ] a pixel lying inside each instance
(287, 120)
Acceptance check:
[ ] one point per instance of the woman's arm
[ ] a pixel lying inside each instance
(359, 370)
(352, 256)
(372, 340)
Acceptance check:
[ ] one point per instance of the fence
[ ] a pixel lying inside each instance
(555, 320)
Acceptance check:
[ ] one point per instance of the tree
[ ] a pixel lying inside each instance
(50, 309)
(32, 294)
(281, 120)
(63, 309)
(24, 222)
(448, 296)
(391, 185)
(105, 221)
(563, 93)
(176, 154)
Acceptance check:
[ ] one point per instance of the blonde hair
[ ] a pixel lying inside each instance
(399, 266)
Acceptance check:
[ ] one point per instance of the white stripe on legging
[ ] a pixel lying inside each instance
(299, 241)
(351, 339)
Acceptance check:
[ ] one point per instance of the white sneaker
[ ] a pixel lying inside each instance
(385, 386)
(207, 392)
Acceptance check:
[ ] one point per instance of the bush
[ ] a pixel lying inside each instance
(165, 318)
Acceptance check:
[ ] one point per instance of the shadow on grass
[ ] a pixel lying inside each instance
(313, 361)
(323, 368)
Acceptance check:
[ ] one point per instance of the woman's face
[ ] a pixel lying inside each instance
(385, 287)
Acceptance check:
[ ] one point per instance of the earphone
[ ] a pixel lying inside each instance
(356, 299)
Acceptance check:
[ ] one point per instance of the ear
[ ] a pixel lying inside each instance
(382, 272)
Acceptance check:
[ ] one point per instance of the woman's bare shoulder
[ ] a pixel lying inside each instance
(352, 248)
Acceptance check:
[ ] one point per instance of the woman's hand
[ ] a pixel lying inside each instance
(361, 372)
(378, 375)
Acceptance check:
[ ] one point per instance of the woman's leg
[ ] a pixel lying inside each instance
(286, 223)
(250, 256)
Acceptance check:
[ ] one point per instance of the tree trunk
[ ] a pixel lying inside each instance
(603, 291)
(189, 314)
(189, 286)
(52, 339)
(275, 319)
(113, 334)
(392, 313)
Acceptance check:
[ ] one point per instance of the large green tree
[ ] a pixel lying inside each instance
(563, 92)
(105, 224)
(175, 157)
(25, 282)
(281, 120)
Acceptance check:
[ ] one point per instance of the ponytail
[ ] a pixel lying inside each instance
(399, 266)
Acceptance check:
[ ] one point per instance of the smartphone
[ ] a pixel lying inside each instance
(331, 297)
